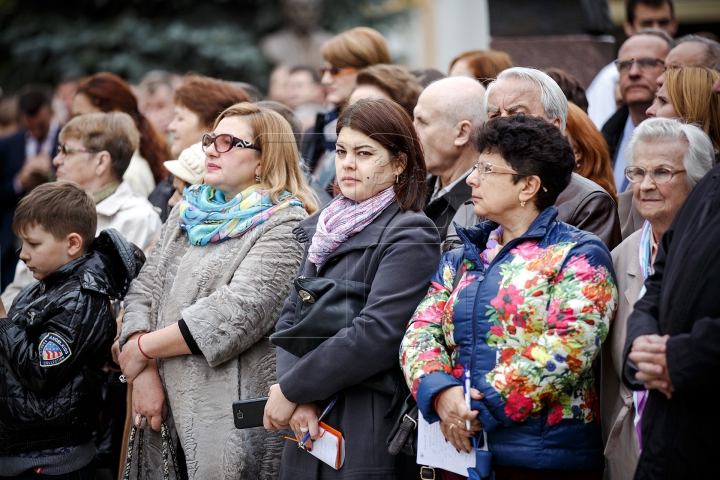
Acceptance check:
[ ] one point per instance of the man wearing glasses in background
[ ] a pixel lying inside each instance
(640, 60)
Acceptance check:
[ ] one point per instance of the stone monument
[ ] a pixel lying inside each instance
(299, 41)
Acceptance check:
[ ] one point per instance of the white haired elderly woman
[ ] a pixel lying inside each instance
(666, 160)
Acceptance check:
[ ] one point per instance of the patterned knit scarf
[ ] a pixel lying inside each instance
(208, 218)
(342, 219)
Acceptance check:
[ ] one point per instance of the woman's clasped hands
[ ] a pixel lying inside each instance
(281, 413)
(148, 394)
(453, 414)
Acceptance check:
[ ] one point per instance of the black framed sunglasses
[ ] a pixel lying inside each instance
(225, 142)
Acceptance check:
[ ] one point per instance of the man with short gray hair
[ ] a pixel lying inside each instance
(583, 204)
(447, 113)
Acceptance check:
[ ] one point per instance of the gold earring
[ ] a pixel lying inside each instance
(522, 204)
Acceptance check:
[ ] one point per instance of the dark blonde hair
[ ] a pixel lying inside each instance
(395, 80)
(484, 64)
(359, 47)
(690, 92)
(112, 132)
(279, 156)
(587, 139)
(59, 208)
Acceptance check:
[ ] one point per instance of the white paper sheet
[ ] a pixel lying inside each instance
(325, 448)
(434, 451)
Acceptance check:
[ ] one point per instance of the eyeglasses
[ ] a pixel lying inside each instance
(658, 175)
(335, 71)
(65, 150)
(487, 167)
(644, 64)
(225, 142)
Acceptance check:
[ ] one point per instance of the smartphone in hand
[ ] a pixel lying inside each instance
(249, 413)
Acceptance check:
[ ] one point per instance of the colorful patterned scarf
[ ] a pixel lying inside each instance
(342, 219)
(645, 260)
(208, 218)
(492, 247)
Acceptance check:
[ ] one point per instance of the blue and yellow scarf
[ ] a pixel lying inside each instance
(208, 218)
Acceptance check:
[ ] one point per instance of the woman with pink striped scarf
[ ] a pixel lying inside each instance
(374, 232)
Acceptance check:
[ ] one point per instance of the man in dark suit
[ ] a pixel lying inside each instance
(640, 60)
(25, 162)
(446, 114)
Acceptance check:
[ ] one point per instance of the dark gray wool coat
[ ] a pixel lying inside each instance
(405, 247)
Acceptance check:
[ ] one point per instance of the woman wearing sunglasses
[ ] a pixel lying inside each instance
(666, 160)
(524, 305)
(194, 335)
(344, 55)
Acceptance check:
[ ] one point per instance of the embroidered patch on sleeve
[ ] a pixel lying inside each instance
(54, 350)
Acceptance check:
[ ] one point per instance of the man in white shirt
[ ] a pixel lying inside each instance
(640, 14)
(446, 115)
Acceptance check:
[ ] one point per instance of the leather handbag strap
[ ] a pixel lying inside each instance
(168, 452)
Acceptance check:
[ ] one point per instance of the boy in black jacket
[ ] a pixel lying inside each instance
(56, 337)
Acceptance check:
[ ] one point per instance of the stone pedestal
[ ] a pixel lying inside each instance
(580, 55)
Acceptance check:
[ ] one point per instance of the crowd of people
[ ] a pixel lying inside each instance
(365, 239)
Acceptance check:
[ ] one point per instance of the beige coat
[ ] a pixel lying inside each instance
(230, 295)
(616, 400)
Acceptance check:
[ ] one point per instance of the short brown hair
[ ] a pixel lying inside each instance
(113, 132)
(395, 80)
(59, 208)
(208, 97)
(279, 156)
(485, 64)
(359, 47)
(390, 125)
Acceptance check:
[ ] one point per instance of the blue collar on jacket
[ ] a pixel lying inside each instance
(475, 238)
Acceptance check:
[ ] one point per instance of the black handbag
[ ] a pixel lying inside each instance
(403, 436)
(328, 305)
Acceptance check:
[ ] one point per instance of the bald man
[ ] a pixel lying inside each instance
(692, 51)
(446, 115)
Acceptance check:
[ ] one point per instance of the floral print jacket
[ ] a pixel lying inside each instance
(528, 327)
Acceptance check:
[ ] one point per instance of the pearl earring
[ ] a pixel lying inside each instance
(257, 178)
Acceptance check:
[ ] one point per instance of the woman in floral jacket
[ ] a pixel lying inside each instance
(524, 304)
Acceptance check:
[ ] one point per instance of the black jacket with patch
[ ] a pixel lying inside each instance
(54, 343)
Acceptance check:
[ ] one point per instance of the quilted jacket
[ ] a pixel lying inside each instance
(528, 327)
(53, 345)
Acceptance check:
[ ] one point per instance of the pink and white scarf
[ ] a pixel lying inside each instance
(342, 219)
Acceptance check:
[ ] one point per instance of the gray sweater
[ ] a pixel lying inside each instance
(230, 295)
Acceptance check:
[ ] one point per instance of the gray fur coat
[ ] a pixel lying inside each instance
(230, 295)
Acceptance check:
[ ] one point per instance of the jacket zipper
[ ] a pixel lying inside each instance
(500, 254)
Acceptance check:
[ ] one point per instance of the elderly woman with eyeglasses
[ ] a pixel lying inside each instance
(194, 335)
(667, 158)
(523, 304)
